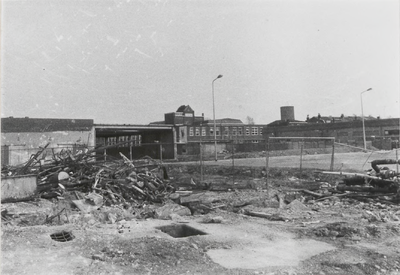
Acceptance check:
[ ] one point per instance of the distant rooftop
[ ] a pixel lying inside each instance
(26, 124)
(332, 119)
(185, 108)
(225, 121)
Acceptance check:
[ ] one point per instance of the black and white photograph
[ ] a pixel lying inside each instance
(200, 137)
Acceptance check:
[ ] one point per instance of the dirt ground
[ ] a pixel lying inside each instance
(346, 161)
(298, 233)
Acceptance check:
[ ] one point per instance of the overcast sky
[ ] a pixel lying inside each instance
(131, 61)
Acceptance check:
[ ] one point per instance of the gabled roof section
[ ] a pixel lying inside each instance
(23, 125)
(185, 109)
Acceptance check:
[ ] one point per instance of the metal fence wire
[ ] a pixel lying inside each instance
(321, 154)
(234, 160)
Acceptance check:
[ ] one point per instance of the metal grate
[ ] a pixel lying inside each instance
(63, 236)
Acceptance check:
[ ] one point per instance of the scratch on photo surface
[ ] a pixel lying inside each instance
(142, 53)
(113, 40)
(46, 80)
(58, 37)
(41, 46)
(85, 30)
(47, 56)
(37, 65)
(122, 52)
(107, 68)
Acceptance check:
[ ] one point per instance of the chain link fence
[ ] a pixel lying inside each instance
(235, 161)
(299, 154)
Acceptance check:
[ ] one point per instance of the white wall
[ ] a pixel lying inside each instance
(23, 145)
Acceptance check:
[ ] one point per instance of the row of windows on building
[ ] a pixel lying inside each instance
(228, 131)
(369, 133)
(135, 140)
(241, 141)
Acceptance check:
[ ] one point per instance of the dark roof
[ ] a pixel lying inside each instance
(185, 108)
(228, 120)
(285, 122)
(329, 119)
(20, 125)
(339, 125)
(225, 121)
(157, 122)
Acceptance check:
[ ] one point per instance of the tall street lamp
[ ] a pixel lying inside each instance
(215, 125)
(362, 117)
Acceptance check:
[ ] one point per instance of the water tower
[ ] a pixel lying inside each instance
(287, 113)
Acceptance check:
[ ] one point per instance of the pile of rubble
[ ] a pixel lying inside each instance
(137, 185)
(383, 184)
(118, 182)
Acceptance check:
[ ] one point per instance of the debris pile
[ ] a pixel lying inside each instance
(119, 182)
(379, 183)
(380, 186)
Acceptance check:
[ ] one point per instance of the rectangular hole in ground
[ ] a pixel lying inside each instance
(180, 230)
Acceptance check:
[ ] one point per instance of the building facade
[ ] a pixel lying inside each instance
(22, 137)
(379, 133)
(135, 141)
(184, 133)
(232, 134)
(229, 133)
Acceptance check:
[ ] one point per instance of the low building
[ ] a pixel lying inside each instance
(233, 134)
(182, 133)
(229, 133)
(135, 141)
(22, 137)
(380, 133)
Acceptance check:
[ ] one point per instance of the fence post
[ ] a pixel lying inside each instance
(201, 162)
(267, 167)
(397, 158)
(233, 162)
(160, 153)
(301, 156)
(333, 154)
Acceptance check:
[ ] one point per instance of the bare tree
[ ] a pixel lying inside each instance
(250, 120)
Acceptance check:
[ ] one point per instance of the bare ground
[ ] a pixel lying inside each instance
(332, 236)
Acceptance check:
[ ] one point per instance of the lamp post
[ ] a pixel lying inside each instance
(215, 125)
(362, 117)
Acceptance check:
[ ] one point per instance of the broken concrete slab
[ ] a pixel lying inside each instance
(168, 209)
(272, 203)
(203, 197)
(297, 206)
(84, 206)
(215, 219)
(18, 188)
(94, 199)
